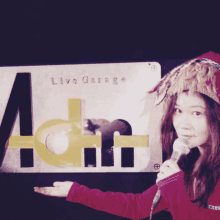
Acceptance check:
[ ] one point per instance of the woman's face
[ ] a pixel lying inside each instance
(190, 119)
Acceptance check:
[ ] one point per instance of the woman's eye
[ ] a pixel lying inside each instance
(177, 110)
(197, 113)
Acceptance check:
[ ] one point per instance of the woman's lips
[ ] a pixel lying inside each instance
(187, 136)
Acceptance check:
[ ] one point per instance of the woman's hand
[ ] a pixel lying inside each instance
(168, 168)
(59, 189)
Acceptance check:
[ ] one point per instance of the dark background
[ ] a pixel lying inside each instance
(40, 32)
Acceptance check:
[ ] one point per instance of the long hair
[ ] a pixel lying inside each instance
(205, 168)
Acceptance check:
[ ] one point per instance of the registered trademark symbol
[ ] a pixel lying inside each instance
(156, 166)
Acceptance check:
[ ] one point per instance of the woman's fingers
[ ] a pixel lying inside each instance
(59, 189)
(173, 165)
(168, 168)
(48, 191)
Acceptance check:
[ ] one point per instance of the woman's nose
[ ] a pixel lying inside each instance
(184, 121)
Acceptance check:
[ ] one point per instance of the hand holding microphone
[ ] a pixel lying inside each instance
(169, 167)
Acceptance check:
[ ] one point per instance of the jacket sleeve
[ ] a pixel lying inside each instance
(128, 205)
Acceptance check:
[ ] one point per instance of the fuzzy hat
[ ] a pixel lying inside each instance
(201, 74)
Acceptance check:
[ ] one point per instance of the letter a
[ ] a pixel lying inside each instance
(20, 99)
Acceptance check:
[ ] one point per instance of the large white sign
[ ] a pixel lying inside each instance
(80, 118)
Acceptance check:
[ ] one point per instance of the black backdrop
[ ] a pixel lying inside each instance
(41, 32)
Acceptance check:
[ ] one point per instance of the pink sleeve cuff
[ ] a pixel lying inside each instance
(170, 179)
(72, 190)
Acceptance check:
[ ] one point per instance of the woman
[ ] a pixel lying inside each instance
(190, 96)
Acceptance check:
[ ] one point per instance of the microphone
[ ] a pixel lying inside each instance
(180, 147)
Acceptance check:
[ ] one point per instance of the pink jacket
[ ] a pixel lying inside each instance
(137, 206)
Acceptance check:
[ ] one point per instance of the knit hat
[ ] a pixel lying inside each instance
(201, 74)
